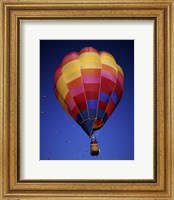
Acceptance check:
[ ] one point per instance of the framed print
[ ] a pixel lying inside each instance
(86, 87)
(86, 100)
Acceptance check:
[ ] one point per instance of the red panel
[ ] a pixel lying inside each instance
(108, 111)
(71, 114)
(75, 111)
(107, 82)
(109, 69)
(68, 98)
(111, 104)
(102, 105)
(74, 83)
(68, 58)
(57, 75)
(82, 106)
(106, 90)
(88, 49)
(118, 89)
(91, 72)
(107, 86)
(110, 107)
(79, 98)
(92, 95)
(92, 87)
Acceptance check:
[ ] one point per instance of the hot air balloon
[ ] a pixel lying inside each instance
(89, 86)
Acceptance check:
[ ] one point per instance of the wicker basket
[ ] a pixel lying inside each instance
(94, 149)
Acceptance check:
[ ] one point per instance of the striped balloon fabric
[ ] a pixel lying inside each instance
(89, 86)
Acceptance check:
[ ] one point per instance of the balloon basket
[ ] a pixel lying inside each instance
(94, 150)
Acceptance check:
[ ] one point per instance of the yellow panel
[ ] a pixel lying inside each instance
(93, 55)
(69, 65)
(72, 76)
(61, 86)
(71, 70)
(106, 62)
(115, 67)
(108, 58)
(65, 92)
(89, 59)
(91, 65)
(120, 70)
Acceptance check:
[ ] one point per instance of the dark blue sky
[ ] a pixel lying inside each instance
(61, 138)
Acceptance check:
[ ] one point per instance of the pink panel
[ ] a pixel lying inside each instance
(70, 55)
(71, 104)
(91, 79)
(76, 90)
(108, 75)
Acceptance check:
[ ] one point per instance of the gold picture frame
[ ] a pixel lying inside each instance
(11, 187)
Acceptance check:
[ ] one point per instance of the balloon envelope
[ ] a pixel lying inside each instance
(89, 86)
